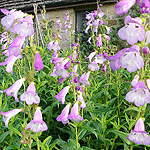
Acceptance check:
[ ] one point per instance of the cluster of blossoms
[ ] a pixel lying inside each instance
(66, 69)
(68, 22)
(21, 25)
(94, 24)
(133, 58)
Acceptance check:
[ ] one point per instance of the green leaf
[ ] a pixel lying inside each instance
(3, 136)
(122, 135)
(15, 131)
(47, 141)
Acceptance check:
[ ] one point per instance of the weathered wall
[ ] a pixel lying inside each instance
(60, 14)
(108, 10)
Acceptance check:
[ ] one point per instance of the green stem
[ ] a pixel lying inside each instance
(37, 141)
(114, 142)
(76, 136)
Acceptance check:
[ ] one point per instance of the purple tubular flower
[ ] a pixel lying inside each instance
(15, 46)
(104, 68)
(10, 62)
(60, 70)
(81, 99)
(53, 45)
(37, 124)
(139, 135)
(24, 27)
(139, 94)
(133, 31)
(13, 90)
(73, 56)
(74, 115)
(38, 64)
(101, 58)
(64, 115)
(61, 80)
(67, 65)
(93, 66)
(115, 61)
(145, 6)
(135, 80)
(132, 60)
(84, 78)
(61, 95)
(99, 41)
(123, 6)
(128, 58)
(9, 114)
(91, 56)
(10, 17)
(30, 96)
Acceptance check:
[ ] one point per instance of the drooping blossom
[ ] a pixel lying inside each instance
(53, 45)
(67, 65)
(9, 114)
(8, 20)
(133, 31)
(139, 95)
(99, 41)
(132, 60)
(30, 96)
(13, 90)
(15, 46)
(60, 69)
(101, 58)
(139, 135)
(145, 6)
(37, 124)
(62, 94)
(135, 80)
(91, 56)
(81, 99)
(123, 6)
(10, 62)
(128, 58)
(93, 66)
(38, 64)
(74, 114)
(73, 56)
(84, 78)
(24, 27)
(63, 117)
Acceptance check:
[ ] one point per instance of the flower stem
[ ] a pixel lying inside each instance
(37, 141)
(76, 136)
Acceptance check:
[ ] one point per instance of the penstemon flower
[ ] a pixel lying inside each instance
(10, 17)
(13, 90)
(38, 64)
(139, 94)
(74, 114)
(24, 27)
(37, 124)
(123, 6)
(61, 95)
(64, 115)
(81, 99)
(9, 114)
(138, 135)
(133, 31)
(30, 96)
(10, 62)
